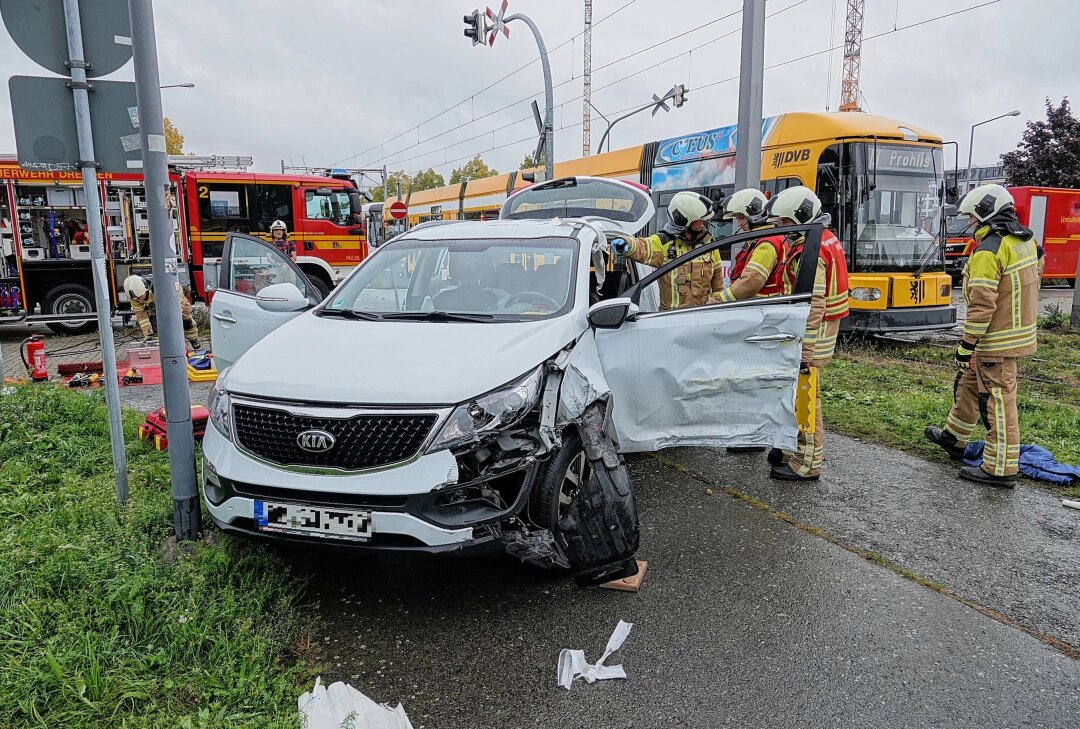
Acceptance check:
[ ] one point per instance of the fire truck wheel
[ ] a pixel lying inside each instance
(70, 300)
(322, 289)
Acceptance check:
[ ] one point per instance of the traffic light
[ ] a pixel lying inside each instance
(474, 28)
(680, 95)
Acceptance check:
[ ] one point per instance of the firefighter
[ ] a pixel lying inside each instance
(829, 304)
(279, 237)
(694, 282)
(757, 270)
(1001, 289)
(140, 293)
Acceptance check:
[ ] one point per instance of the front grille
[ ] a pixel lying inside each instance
(362, 441)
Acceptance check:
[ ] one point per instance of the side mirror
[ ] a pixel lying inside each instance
(952, 195)
(612, 313)
(281, 298)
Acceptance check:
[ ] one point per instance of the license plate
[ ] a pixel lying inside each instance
(315, 521)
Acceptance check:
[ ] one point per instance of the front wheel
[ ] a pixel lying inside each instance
(70, 300)
(563, 477)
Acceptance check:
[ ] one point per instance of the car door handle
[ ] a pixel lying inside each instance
(769, 338)
(222, 317)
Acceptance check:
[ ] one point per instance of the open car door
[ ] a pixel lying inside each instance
(259, 289)
(713, 375)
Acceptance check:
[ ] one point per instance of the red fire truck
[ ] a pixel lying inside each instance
(1054, 215)
(45, 273)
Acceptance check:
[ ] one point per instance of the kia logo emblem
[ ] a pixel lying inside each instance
(315, 441)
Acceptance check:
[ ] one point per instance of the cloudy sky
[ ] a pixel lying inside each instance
(349, 81)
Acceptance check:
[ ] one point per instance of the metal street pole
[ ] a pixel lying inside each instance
(611, 124)
(163, 256)
(549, 97)
(751, 76)
(971, 144)
(94, 223)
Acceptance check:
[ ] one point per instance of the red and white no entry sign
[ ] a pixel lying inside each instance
(398, 210)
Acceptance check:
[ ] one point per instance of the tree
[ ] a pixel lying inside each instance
(1049, 153)
(474, 169)
(423, 180)
(174, 140)
(529, 162)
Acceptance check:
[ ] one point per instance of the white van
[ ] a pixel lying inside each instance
(472, 386)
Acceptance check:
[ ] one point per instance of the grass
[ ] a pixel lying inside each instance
(889, 393)
(95, 628)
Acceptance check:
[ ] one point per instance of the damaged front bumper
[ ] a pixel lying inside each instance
(420, 506)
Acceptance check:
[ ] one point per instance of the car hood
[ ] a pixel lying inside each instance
(383, 363)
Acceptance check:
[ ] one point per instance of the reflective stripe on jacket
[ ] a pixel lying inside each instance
(691, 284)
(758, 269)
(1001, 289)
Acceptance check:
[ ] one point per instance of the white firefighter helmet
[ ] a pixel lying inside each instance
(686, 207)
(749, 203)
(278, 225)
(795, 203)
(986, 201)
(135, 287)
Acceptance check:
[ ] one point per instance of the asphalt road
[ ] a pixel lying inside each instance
(743, 620)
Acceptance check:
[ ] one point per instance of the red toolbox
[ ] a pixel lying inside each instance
(155, 427)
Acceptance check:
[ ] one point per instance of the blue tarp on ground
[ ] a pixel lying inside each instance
(1035, 462)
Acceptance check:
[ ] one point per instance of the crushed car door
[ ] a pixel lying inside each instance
(244, 309)
(716, 375)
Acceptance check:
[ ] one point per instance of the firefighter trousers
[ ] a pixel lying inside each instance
(147, 319)
(809, 454)
(986, 391)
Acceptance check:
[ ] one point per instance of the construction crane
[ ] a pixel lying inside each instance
(586, 94)
(849, 85)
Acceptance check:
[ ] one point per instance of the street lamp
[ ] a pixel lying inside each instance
(971, 142)
(189, 85)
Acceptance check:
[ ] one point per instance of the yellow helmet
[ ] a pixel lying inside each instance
(686, 207)
(986, 201)
(795, 203)
(749, 203)
(135, 287)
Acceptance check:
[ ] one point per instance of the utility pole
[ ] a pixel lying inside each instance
(79, 89)
(586, 94)
(163, 256)
(751, 75)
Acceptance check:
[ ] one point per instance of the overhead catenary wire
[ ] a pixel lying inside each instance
(698, 88)
(472, 96)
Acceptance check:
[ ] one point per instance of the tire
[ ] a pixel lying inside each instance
(319, 283)
(71, 299)
(557, 485)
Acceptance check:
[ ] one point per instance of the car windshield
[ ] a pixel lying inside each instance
(492, 280)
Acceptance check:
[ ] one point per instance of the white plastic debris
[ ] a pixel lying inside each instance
(572, 664)
(1070, 504)
(341, 705)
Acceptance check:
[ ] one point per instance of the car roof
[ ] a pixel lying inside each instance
(476, 229)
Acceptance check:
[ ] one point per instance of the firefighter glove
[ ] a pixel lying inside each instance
(620, 245)
(804, 368)
(963, 354)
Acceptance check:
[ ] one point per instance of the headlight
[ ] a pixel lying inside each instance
(218, 404)
(864, 293)
(489, 413)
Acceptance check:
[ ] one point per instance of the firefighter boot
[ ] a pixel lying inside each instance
(194, 344)
(945, 440)
(783, 472)
(976, 474)
(775, 457)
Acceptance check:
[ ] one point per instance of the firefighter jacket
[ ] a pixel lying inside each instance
(757, 270)
(286, 245)
(146, 307)
(691, 284)
(829, 303)
(1001, 290)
